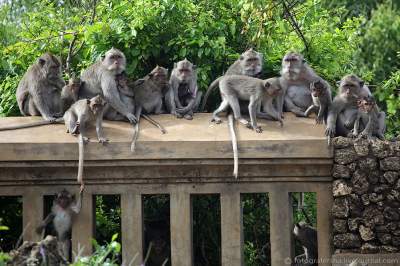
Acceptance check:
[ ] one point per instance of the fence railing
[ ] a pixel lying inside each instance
(274, 166)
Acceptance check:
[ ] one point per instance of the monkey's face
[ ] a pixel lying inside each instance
(64, 199)
(97, 104)
(75, 86)
(185, 71)
(115, 61)
(50, 65)
(160, 76)
(350, 87)
(251, 62)
(317, 89)
(292, 64)
(366, 104)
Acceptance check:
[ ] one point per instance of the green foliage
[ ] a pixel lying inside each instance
(104, 255)
(4, 258)
(108, 217)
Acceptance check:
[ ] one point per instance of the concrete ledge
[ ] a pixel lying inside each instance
(367, 259)
(196, 139)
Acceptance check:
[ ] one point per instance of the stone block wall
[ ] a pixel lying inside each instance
(366, 190)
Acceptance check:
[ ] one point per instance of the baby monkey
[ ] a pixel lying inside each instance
(322, 99)
(368, 113)
(237, 87)
(69, 93)
(64, 207)
(79, 117)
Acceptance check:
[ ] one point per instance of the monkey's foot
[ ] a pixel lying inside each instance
(188, 117)
(258, 129)
(85, 140)
(216, 120)
(103, 140)
(75, 131)
(319, 121)
(179, 115)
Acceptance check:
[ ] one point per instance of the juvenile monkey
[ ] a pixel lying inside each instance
(78, 118)
(235, 87)
(307, 236)
(149, 98)
(368, 113)
(249, 64)
(322, 99)
(183, 97)
(296, 77)
(101, 78)
(69, 93)
(344, 108)
(64, 207)
(38, 92)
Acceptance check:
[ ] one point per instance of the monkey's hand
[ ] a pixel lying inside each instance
(85, 140)
(132, 119)
(352, 135)
(330, 131)
(82, 188)
(319, 120)
(258, 129)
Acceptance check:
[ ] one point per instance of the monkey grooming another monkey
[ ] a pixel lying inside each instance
(322, 99)
(78, 118)
(39, 90)
(101, 78)
(236, 87)
(149, 98)
(368, 113)
(183, 97)
(64, 207)
(249, 64)
(296, 77)
(307, 236)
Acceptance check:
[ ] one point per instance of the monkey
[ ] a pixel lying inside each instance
(296, 77)
(236, 87)
(69, 93)
(78, 118)
(251, 89)
(62, 211)
(322, 99)
(149, 98)
(249, 63)
(344, 109)
(368, 113)
(38, 92)
(307, 236)
(183, 97)
(100, 78)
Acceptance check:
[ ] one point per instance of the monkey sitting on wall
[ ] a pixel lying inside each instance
(183, 97)
(62, 211)
(307, 236)
(70, 93)
(296, 77)
(322, 100)
(368, 115)
(101, 79)
(38, 92)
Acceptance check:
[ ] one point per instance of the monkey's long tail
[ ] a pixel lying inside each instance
(135, 137)
(234, 146)
(155, 123)
(34, 124)
(81, 145)
(212, 86)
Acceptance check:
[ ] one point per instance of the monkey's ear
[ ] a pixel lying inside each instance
(103, 57)
(194, 67)
(303, 61)
(362, 83)
(88, 101)
(42, 61)
(338, 83)
(267, 84)
(241, 57)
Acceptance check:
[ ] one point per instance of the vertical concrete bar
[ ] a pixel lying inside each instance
(324, 222)
(231, 229)
(83, 227)
(32, 209)
(281, 219)
(132, 228)
(181, 229)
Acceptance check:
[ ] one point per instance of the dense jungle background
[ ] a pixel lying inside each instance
(336, 38)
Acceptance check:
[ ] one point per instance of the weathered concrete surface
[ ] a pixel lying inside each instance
(199, 138)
